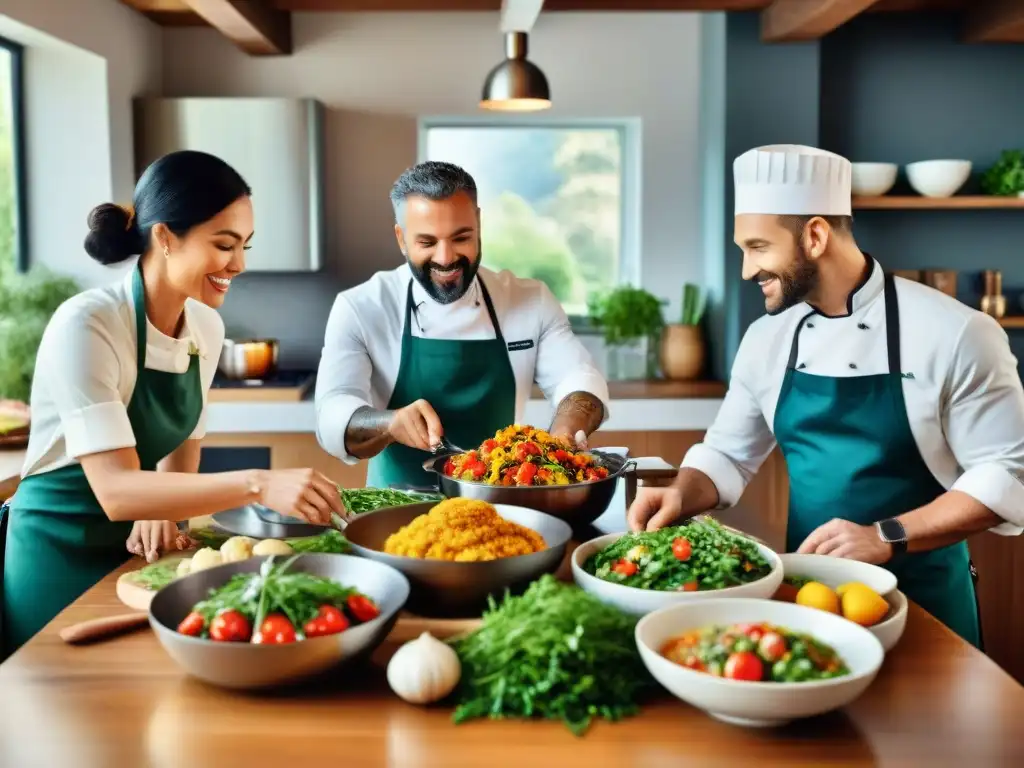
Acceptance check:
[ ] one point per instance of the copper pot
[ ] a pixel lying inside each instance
(683, 352)
(249, 359)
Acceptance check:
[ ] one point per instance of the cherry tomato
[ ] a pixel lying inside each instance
(192, 624)
(315, 627)
(681, 548)
(744, 665)
(230, 627)
(625, 567)
(561, 455)
(449, 467)
(362, 608)
(525, 474)
(525, 450)
(275, 630)
(334, 620)
(690, 586)
(489, 445)
(772, 646)
(692, 662)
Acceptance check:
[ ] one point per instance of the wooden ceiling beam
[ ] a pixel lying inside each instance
(252, 25)
(995, 21)
(792, 20)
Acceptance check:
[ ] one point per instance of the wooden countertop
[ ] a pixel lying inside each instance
(936, 702)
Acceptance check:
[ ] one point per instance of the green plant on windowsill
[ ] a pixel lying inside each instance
(628, 316)
(26, 304)
(1006, 177)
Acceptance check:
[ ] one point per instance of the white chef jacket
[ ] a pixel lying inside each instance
(964, 398)
(363, 344)
(86, 369)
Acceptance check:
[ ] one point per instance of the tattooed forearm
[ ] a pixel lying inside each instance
(578, 411)
(367, 432)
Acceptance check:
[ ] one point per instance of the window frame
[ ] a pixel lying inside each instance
(629, 130)
(17, 53)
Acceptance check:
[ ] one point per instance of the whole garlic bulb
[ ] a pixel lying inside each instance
(424, 670)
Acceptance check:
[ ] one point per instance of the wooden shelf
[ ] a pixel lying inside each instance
(659, 389)
(896, 202)
(1012, 322)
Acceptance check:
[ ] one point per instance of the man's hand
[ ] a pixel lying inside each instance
(417, 426)
(577, 441)
(841, 538)
(655, 508)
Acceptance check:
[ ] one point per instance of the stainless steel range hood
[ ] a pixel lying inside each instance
(277, 146)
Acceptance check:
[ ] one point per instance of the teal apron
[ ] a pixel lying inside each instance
(59, 540)
(851, 454)
(470, 384)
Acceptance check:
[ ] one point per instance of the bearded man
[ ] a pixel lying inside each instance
(442, 346)
(899, 410)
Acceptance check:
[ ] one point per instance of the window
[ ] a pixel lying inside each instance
(555, 199)
(12, 178)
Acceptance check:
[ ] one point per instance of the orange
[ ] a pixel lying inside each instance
(862, 605)
(816, 595)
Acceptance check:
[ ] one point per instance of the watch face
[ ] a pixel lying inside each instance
(892, 530)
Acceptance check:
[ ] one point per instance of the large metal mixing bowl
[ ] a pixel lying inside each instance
(446, 588)
(578, 504)
(248, 666)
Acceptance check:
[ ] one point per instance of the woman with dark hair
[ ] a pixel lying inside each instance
(118, 398)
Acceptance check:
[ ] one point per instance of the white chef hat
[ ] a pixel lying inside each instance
(792, 180)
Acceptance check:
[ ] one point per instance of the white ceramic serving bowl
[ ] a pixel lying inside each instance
(759, 704)
(638, 602)
(833, 571)
(872, 179)
(938, 178)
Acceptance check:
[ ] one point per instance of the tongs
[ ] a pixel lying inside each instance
(445, 447)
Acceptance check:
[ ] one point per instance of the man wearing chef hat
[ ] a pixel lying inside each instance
(899, 410)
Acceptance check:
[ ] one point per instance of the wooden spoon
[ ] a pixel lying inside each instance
(99, 629)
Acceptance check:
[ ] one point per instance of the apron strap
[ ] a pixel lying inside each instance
(139, 301)
(407, 329)
(892, 325)
(794, 347)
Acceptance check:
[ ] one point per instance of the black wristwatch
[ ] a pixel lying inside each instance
(892, 532)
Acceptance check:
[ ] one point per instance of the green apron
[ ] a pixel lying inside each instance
(59, 540)
(851, 454)
(470, 384)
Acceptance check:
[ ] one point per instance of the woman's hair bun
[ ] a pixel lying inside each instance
(113, 236)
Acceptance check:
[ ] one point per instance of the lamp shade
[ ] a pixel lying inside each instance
(516, 85)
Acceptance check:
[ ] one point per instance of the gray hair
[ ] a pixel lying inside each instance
(433, 180)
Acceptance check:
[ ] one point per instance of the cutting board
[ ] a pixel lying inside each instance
(137, 597)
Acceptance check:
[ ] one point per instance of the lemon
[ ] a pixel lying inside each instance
(816, 595)
(843, 587)
(862, 605)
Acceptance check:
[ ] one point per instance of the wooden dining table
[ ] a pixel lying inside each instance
(124, 703)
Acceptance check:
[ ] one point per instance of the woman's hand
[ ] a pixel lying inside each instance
(302, 493)
(150, 538)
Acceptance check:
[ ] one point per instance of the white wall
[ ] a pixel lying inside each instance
(85, 60)
(378, 73)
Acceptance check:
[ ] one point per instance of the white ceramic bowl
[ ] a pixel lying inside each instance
(637, 602)
(755, 703)
(938, 178)
(872, 179)
(833, 571)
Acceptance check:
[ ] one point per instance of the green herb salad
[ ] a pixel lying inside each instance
(698, 556)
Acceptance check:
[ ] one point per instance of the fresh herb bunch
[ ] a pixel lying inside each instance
(714, 559)
(330, 541)
(297, 595)
(360, 500)
(627, 314)
(1006, 177)
(693, 304)
(156, 576)
(555, 653)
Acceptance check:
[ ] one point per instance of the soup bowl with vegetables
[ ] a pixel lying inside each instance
(756, 662)
(268, 621)
(642, 572)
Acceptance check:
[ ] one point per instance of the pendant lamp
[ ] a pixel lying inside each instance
(516, 85)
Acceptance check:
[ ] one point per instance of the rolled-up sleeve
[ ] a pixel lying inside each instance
(78, 358)
(983, 420)
(739, 440)
(563, 364)
(343, 379)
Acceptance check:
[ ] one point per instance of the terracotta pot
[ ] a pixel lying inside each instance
(683, 352)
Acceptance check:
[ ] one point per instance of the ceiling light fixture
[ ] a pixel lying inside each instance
(516, 84)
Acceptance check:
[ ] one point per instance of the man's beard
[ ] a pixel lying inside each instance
(796, 283)
(445, 293)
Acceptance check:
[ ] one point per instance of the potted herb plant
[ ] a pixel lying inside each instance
(1006, 177)
(631, 321)
(683, 349)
